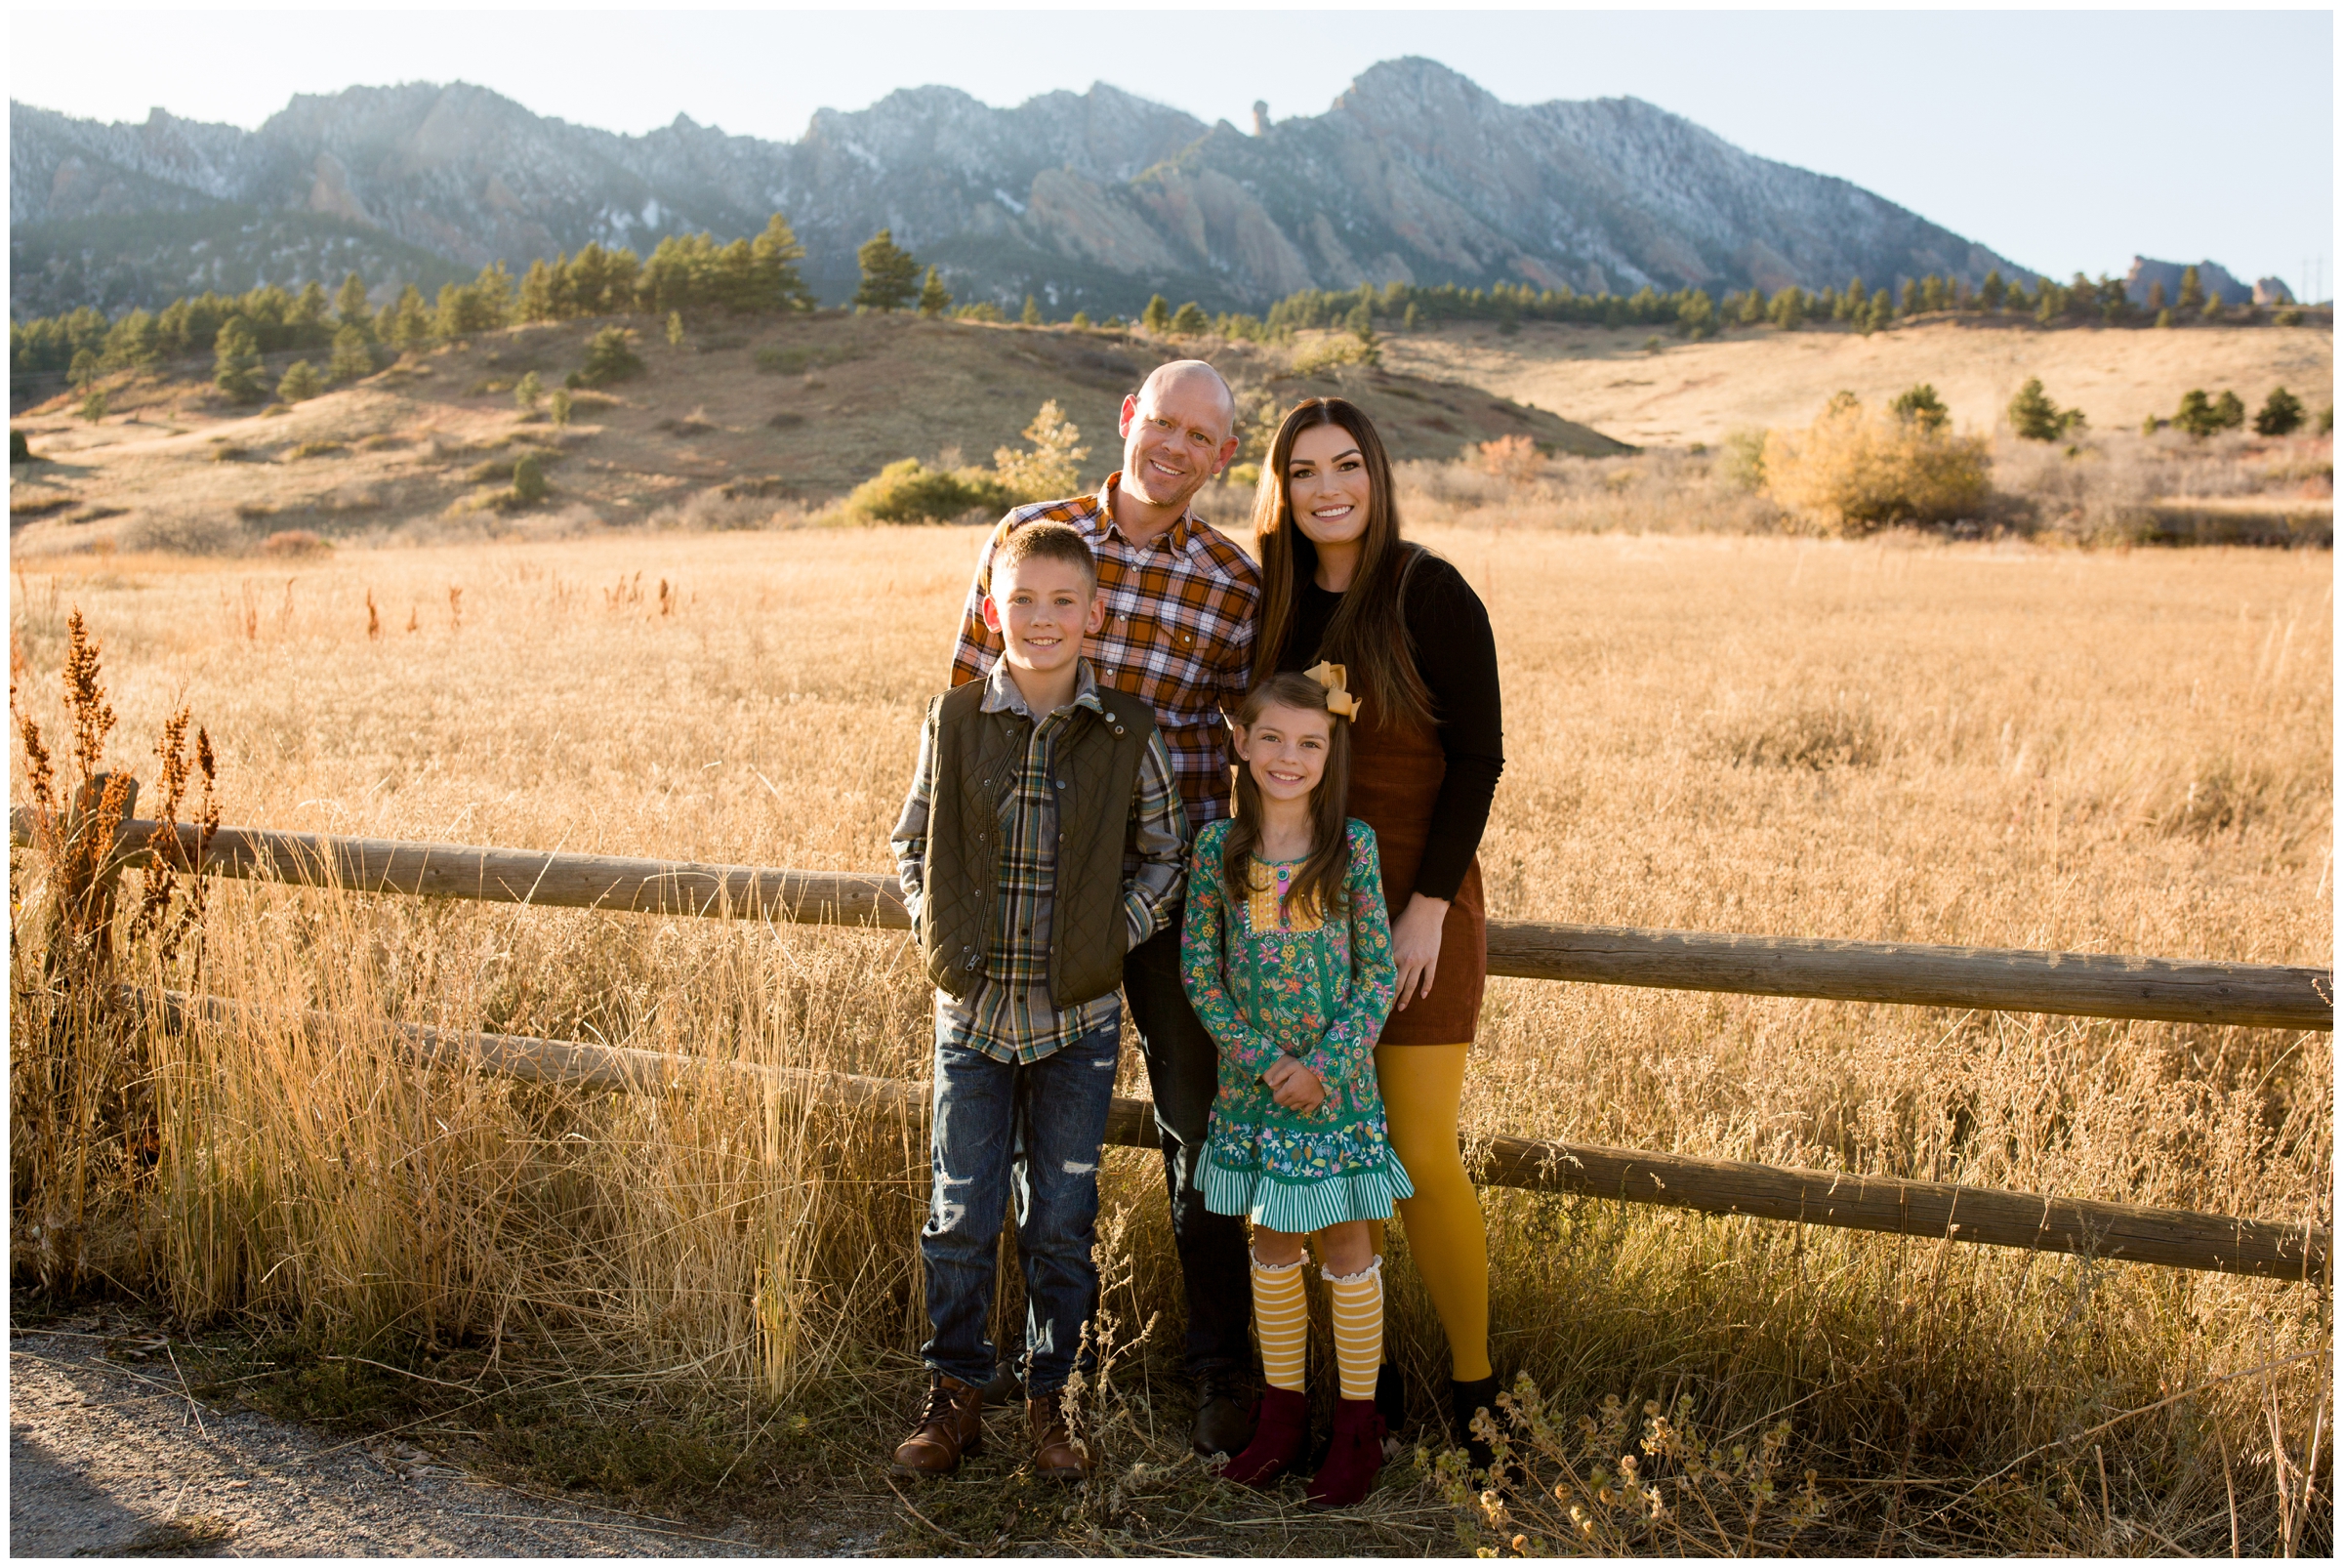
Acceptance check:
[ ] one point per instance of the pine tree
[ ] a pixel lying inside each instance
(408, 322)
(558, 407)
(2032, 416)
(1412, 321)
(1993, 291)
(528, 480)
(133, 340)
(1030, 315)
(537, 301)
(1157, 316)
(774, 257)
(1789, 309)
(1911, 298)
(307, 325)
(298, 383)
(1920, 407)
(236, 361)
(674, 329)
(2228, 411)
(93, 406)
(1082, 322)
(609, 356)
(349, 304)
(1190, 321)
(1752, 308)
(2195, 414)
(527, 392)
(890, 274)
(2212, 304)
(2163, 319)
(2155, 296)
(353, 356)
(1879, 312)
(2192, 290)
(2281, 414)
(84, 368)
(935, 299)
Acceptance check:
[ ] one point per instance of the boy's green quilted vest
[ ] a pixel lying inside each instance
(977, 758)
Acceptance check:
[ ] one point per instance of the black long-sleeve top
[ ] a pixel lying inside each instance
(1456, 655)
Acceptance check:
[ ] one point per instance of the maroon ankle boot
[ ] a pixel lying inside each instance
(1279, 1439)
(1352, 1462)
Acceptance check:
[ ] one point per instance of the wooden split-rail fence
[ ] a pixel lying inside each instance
(2074, 984)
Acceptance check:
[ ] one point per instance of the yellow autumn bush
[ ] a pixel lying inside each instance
(1855, 469)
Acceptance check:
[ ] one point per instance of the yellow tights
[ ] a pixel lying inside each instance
(1424, 1086)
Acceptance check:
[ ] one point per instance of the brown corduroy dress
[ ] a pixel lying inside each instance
(1395, 776)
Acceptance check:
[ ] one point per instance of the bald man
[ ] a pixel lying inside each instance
(1180, 608)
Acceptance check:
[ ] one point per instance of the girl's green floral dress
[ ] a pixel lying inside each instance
(1315, 990)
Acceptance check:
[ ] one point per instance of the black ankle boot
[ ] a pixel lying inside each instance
(1465, 1398)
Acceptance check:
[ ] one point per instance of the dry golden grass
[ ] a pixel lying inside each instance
(1759, 376)
(1996, 745)
(748, 429)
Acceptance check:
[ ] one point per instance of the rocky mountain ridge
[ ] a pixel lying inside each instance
(1095, 199)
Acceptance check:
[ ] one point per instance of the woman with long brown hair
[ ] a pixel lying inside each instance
(1340, 585)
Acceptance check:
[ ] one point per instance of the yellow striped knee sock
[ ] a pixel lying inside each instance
(1280, 1316)
(1358, 1328)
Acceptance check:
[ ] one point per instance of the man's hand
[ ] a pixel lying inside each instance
(1294, 1085)
(1415, 946)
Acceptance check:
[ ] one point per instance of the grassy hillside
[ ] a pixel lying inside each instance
(793, 414)
(1680, 392)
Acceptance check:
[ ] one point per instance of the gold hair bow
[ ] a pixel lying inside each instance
(1338, 700)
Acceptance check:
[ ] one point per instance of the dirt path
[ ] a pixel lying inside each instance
(106, 1460)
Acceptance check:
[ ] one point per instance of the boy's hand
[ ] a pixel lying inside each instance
(1294, 1085)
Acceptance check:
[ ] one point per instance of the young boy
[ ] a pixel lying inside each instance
(1042, 842)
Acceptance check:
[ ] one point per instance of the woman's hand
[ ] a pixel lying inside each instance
(1415, 946)
(1294, 1085)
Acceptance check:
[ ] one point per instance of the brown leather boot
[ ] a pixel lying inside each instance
(1054, 1456)
(951, 1423)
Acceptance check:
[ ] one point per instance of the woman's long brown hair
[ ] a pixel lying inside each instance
(1320, 886)
(1369, 634)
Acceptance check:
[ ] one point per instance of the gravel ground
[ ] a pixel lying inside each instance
(109, 1460)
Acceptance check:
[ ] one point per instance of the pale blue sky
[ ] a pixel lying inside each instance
(2063, 140)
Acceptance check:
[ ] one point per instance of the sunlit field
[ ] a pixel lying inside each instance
(711, 1292)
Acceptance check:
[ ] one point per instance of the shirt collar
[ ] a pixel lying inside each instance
(1000, 693)
(1174, 538)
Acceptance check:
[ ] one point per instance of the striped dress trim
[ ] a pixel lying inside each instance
(1298, 1208)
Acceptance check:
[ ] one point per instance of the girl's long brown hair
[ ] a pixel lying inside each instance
(1319, 887)
(1369, 634)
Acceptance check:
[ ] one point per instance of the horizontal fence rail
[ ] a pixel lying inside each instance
(2174, 1238)
(1993, 980)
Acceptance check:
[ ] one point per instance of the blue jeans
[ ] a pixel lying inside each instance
(1030, 1132)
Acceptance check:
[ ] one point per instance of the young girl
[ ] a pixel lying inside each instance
(1287, 957)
